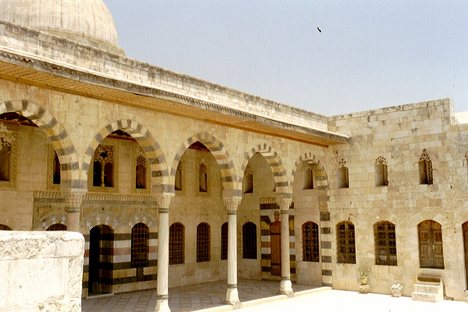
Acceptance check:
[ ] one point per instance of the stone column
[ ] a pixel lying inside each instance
(232, 295)
(285, 285)
(163, 203)
(73, 201)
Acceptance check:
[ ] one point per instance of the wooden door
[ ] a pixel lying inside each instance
(431, 253)
(465, 241)
(275, 246)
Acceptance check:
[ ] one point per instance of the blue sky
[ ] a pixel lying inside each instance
(370, 54)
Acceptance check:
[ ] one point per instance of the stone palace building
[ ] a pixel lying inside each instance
(175, 181)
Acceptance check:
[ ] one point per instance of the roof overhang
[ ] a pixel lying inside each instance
(32, 70)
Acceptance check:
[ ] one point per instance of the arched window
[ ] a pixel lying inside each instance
(140, 245)
(346, 248)
(176, 244)
(249, 241)
(57, 227)
(343, 175)
(5, 154)
(381, 172)
(310, 242)
(4, 227)
(431, 253)
(224, 241)
(56, 170)
(248, 180)
(140, 171)
(178, 178)
(203, 178)
(203, 242)
(308, 176)
(425, 168)
(103, 166)
(385, 243)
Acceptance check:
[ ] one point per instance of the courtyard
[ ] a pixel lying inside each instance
(263, 296)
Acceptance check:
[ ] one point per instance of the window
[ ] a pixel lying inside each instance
(249, 241)
(385, 243)
(381, 172)
(310, 242)
(224, 241)
(248, 180)
(178, 178)
(56, 170)
(4, 228)
(203, 242)
(203, 178)
(308, 177)
(343, 175)
(346, 250)
(176, 244)
(57, 227)
(140, 179)
(103, 166)
(140, 245)
(5, 154)
(425, 169)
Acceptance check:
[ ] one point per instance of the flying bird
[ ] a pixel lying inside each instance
(318, 28)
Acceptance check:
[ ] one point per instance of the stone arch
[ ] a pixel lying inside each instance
(152, 150)
(276, 164)
(224, 160)
(48, 220)
(101, 218)
(320, 175)
(142, 217)
(56, 135)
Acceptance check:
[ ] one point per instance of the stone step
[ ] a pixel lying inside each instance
(420, 296)
(426, 288)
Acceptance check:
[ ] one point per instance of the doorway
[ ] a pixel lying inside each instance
(101, 242)
(431, 253)
(465, 242)
(275, 245)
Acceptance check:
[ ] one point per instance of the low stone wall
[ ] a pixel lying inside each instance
(41, 271)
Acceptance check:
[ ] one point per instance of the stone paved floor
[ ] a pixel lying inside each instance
(185, 298)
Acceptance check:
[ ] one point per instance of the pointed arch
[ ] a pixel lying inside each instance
(221, 155)
(56, 135)
(280, 178)
(320, 174)
(151, 148)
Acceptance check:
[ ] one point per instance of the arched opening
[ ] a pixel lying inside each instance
(310, 242)
(140, 248)
(275, 245)
(345, 242)
(4, 227)
(385, 243)
(203, 242)
(224, 241)
(177, 243)
(57, 227)
(100, 272)
(465, 243)
(431, 253)
(249, 241)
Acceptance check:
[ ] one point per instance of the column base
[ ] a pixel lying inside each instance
(286, 288)
(232, 296)
(162, 305)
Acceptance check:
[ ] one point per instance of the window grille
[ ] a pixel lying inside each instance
(176, 244)
(203, 242)
(310, 242)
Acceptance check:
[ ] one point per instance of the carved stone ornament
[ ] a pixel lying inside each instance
(163, 201)
(73, 200)
(284, 203)
(232, 203)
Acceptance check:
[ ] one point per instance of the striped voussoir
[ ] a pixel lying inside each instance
(221, 155)
(320, 175)
(276, 165)
(151, 148)
(56, 135)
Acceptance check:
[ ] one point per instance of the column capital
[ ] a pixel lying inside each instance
(284, 201)
(232, 203)
(73, 200)
(163, 201)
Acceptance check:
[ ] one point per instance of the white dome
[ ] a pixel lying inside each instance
(85, 21)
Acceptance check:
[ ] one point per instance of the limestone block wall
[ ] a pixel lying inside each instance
(30, 260)
(400, 135)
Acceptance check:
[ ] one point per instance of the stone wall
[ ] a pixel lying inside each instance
(41, 271)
